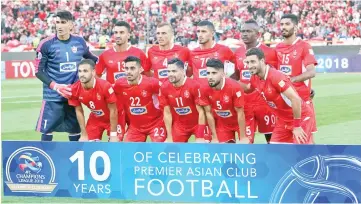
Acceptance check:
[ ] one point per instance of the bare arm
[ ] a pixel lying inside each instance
(113, 116)
(201, 115)
(241, 122)
(167, 116)
(295, 99)
(211, 121)
(81, 120)
(310, 73)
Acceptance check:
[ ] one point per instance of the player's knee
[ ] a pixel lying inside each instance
(47, 137)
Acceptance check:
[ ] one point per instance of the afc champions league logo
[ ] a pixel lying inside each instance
(320, 179)
(30, 169)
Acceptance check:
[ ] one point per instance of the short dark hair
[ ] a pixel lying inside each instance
(208, 24)
(215, 63)
(123, 23)
(133, 59)
(251, 21)
(255, 51)
(66, 15)
(87, 61)
(293, 18)
(177, 62)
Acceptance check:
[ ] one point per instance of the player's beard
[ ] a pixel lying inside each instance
(173, 79)
(85, 80)
(213, 83)
(288, 33)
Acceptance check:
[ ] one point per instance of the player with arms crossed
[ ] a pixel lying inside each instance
(159, 55)
(258, 114)
(179, 100)
(294, 122)
(224, 98)
(98, 95)
(56, 66)
(139, 96)
(208, 49)
(297, 60)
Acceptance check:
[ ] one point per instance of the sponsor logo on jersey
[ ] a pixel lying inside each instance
(138, 110)
(98, 113)
(186, 94)
(183, 111)
(271, 104)
(224, 113)
(74, 49)
(162, 73)
(246, 75)
(68, 67)
(202, 73)
(287, 69)
(118, 75)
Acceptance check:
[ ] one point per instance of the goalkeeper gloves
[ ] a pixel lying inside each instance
(62, 89)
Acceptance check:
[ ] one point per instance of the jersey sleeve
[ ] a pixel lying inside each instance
(74, 100)
(100, 65)
(196, 92)
(41, 62)
(145, 62)
(238, 96)
(109, 94)
(272, 58)
(163, 100)
(156, 84)
(308, 55)
(280, 81)
(231, 56)
(87, 53)
(203, 99)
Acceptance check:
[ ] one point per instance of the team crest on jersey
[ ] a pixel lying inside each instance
(186, 94)
(226, 98)
(144, 93)
(125, 93)
(98, 96)
(74, 49)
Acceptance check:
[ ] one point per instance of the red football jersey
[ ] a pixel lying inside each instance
(182, 102)
(96, 99)
(223, 102)
(140, 101)
(293, 60)
(245, 75)
(271, 90)
(199, 57)
(158, 59)
(113, 62)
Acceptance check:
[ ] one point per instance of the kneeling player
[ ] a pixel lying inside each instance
(179, 98)
(98, 95)
(139, 95)
(294, 117)
(225, 98)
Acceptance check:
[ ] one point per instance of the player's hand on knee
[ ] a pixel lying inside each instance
(83, 139)
(169, 139)
(62, 89)
(215, 140)
(244, 140)
(312, 94)
(299, 135)
(113, 139)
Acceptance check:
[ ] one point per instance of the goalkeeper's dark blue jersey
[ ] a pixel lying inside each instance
(59, 61)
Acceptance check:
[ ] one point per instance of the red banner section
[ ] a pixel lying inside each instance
(19, 69)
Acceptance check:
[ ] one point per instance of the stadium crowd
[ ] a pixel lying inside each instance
(26, 22)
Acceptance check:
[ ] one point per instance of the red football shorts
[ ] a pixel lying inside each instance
(259, 117)
(181, 134)
(226, 134)
(95, 128)
(157, 133)
(282, 133)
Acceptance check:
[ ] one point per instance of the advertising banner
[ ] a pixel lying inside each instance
(199, 173)
(338, 63)
(20, 69)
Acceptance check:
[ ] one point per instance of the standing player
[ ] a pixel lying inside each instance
(139, 96)
(179, 100)
(159, 55)
(208, 49)
(112, 60)
(296, 59)
(257, 111)
(224, 97)
(98, 95)
(294, 122)
(56, 66)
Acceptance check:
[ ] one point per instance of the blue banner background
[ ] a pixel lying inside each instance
(338, 63)
(276, 173)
